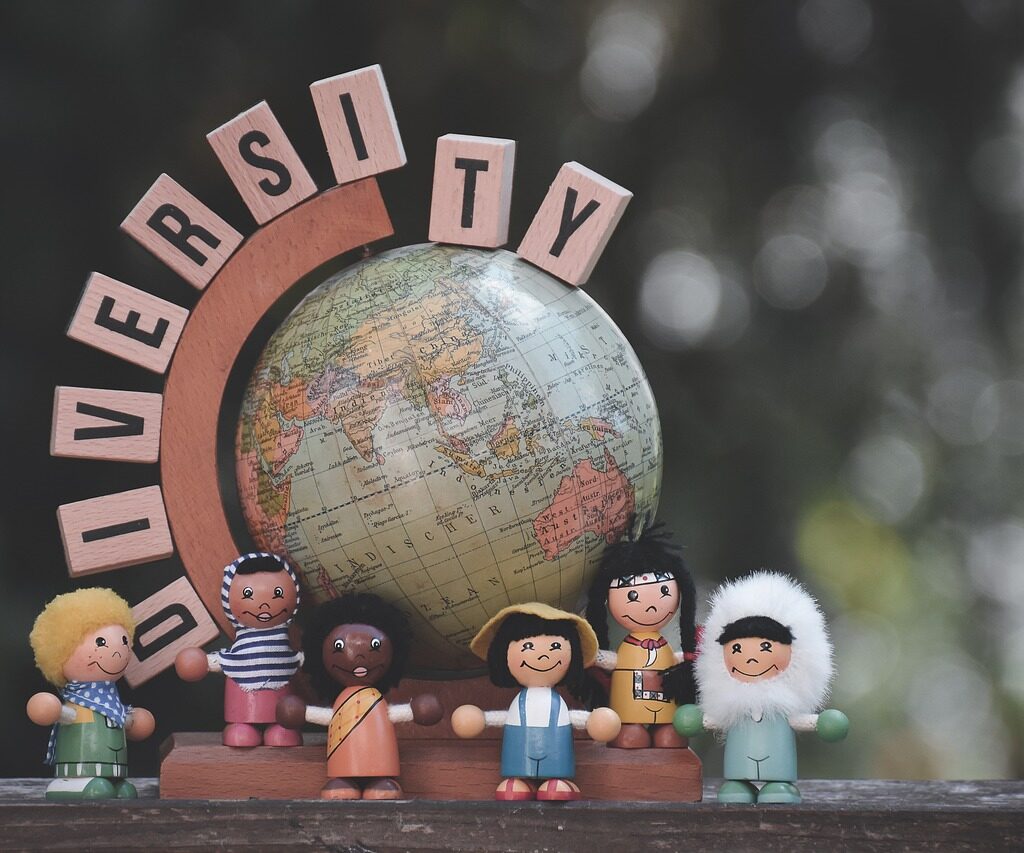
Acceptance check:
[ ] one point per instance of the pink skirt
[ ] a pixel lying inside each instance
(251, 706)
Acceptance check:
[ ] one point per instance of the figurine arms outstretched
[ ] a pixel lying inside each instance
(424, 710)
(831, 725)
(602, 724)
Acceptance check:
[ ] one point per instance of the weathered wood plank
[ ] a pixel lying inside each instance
(848, 815)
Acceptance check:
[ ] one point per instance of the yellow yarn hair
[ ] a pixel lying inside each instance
(59, 629)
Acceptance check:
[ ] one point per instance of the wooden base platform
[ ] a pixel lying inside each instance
(861, 814)
(197, 766)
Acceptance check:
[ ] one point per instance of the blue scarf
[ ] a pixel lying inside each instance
(259, 658)
(99, 696)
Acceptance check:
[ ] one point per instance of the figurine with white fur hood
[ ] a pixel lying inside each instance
(763, 671)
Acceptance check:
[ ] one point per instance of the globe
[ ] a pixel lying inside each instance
(452, 429)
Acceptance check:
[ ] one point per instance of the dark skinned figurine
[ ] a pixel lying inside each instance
(260, 596)
(643, 583)
(359, 645)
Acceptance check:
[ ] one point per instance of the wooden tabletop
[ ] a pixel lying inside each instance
(835, 815)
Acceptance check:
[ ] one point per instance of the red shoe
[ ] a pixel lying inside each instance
(558, 790)
(242, 734)
(276, 735)
(514, 790)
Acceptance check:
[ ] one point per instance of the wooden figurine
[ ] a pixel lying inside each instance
(82, 643)
(260, 597)
(768, 679)
(536, 647)
(642, 582)
(359, 643)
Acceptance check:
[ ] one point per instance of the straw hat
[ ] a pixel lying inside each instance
(588, 639)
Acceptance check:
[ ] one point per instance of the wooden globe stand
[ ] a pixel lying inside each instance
(436, 764)
(242, 279)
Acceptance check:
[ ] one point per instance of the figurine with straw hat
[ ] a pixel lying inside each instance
(538, 648)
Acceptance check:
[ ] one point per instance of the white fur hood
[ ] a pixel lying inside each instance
(801, 688)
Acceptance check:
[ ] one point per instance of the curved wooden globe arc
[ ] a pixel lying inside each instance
(270, 262)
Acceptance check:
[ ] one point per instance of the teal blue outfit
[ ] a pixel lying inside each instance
(538, 752)
(762, 751)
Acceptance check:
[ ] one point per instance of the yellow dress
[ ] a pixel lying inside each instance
(636, 694)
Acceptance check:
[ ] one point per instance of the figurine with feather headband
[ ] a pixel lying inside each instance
(642, 583)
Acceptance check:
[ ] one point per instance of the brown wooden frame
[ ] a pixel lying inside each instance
(262, 270)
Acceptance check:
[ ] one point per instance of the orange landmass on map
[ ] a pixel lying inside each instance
(505, 442)
(359, 412)
(292, 400)
(466, 462)
(598, 429)
(403, 352)
(276, 444)
(588, 500)
(266, 503)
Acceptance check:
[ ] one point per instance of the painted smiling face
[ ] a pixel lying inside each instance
(357, 655)
(756, 658)
(540, 661)
(102, 655)
(643, 605)
(262, 599)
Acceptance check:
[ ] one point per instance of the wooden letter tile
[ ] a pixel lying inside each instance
(97, 423)
(358, 124)
(165, 623)
(127, 322)
(182, 232)
(114, 531)
(262, 163)
(472, 190)
(574, 222)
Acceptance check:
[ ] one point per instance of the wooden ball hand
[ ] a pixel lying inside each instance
(427, 709)
(191, 664)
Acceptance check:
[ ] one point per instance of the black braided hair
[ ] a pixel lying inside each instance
(651, 551)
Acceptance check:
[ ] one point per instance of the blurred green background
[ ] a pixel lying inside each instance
(820, 272)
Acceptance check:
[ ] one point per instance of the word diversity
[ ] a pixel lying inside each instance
(470, 204)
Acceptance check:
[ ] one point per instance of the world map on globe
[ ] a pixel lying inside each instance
(452, 429)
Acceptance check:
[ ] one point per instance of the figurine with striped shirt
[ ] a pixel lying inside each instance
(260, 597)
(356, 649)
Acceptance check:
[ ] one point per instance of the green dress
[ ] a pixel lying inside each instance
(92, 745)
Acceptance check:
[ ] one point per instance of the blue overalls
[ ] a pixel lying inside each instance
(538, 752)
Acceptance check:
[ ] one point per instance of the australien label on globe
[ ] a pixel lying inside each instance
(452, 429)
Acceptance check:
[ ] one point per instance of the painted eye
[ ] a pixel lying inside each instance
(375, 643)
(664, 591)
(633, 595)
(556, 646)
(527, 647)
(339, 645)
(278, 592)
(247, 592)
(766, 646)
(100, 642)
(124, 639)
(736, 648)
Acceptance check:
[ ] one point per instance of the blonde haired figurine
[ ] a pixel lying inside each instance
(82, 643)
(763, 672)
